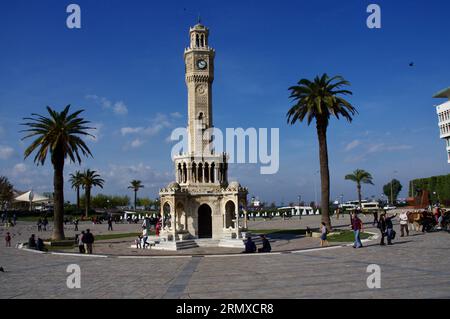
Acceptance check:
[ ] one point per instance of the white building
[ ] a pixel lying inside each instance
(443, 111)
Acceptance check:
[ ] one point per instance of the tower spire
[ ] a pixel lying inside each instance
(199, 19)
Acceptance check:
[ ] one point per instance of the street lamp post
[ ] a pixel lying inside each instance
(299, 212)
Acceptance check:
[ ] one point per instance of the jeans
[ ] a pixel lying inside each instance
(403, 228)
(389, 235)
(358, 242)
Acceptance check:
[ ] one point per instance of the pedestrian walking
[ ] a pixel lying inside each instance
(138, 242)
(390, 232)
(375, 218)
(357, 227)
(8, 239)
(14, 219)
(39, 224)
(45, 223)
(88, 240)
(404, 224)
(75, 223)
(323, 236)
(80, 243)
(382, 227)
(110, 223)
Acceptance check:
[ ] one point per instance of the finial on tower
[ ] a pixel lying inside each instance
(199, 19)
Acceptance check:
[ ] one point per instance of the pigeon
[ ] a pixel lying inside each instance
(411, 64)
(1, 269)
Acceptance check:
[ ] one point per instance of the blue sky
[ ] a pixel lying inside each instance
(125, 68)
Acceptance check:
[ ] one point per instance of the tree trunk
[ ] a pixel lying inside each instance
(78, 199)
(135, 199)
(58, 200)
(358, 187)
(324, 172)
(88, 200)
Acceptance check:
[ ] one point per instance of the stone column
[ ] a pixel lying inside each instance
(189, 172)
(245, 219)
(237, 220)
(173, 212)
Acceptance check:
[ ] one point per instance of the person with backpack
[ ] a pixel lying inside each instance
(390, 232)
(357, 227)
(382, 227)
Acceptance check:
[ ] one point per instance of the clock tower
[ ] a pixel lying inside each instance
(199, 61)
(201, 203)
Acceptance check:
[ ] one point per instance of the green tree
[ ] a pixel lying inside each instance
(90, 179)
(59, 135)
(146, 202)
(76, 180)
(319, 100)
(392, 189)
(6, 191)
(360, 176)
(135, 186)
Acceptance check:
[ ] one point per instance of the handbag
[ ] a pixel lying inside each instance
(393, 234)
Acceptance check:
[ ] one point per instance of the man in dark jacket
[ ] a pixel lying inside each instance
(250, 246)
(266, 248)
(32, 242)
(390, 229)
(382, 227)
(88, 240)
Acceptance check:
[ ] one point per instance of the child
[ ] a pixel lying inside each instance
(8, 239)
(138, 242)
(323, 237)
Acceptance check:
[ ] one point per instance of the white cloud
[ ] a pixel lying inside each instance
(352, 145)
(157, 124)
(19, 169)
(6, 152)
(119, 107)
(136, 143)
(96, 132)
(377, 148)
(121, 175)
(131, 130)
(176, 115)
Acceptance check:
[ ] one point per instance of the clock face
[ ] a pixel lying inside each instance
(201, 64)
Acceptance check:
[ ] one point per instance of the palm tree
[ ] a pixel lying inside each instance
(360, 176)
(319, 100)
(59, 135)
(76, 181)
(135, 186)
(90, 179)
